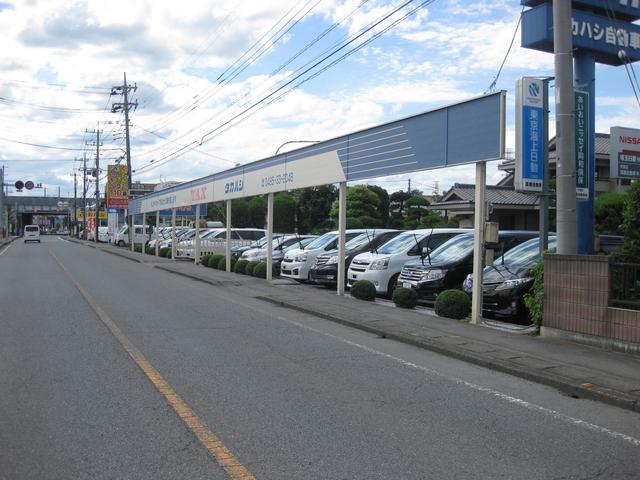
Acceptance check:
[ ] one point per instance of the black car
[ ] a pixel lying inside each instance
(449, 264)
(505, 282)
(325, 270)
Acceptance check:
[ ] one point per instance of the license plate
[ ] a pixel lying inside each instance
(406, 285)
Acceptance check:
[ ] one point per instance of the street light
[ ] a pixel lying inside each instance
(296, 141)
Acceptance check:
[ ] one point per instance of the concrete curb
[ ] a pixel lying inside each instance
(563, 384)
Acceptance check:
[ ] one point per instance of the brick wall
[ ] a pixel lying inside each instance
(576, 289)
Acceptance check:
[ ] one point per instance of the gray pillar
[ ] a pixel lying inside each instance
(196, 242)
(132, 232)
(228, 246)
(565, 136)
(144, 233)
(157, 232)
(173, 234)
(342, 226)
(270, 236)
(478, 242)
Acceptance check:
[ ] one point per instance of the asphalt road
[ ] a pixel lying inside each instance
(113, 369)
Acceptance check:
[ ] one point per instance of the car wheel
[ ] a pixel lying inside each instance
(393, 283)
(120, 243)
(38, 241)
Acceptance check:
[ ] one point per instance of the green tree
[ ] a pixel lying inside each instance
(416, 207)
(399, 198)
(314, 207)
(631, 225)
(385, 203)
(609, 208)
(284, 211)
(257, 211)
(362, 208)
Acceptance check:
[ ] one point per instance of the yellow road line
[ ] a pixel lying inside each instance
(211, 442)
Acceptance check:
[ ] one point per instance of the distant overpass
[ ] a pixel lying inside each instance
(20, 210)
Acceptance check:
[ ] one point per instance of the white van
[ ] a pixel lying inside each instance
(298, 261)
(383, 267)
(122, 237)
(31, 233)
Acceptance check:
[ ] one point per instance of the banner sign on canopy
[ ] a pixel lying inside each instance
(466, 132)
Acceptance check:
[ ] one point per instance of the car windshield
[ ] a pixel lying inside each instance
(321, 241)
(401, 243)
(123, 229)
(524, 254)
(360, 240)
(453, 250)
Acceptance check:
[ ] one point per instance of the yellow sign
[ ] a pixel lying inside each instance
(102, 215)
(117, 186)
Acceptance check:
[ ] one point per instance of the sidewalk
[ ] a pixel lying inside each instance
(577, 370)
(6, 240)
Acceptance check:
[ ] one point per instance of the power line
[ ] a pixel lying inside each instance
(495, 80)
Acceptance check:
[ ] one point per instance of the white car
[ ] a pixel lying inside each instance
(298, 261)
(31, 233)
(122, 237)
(383, 268)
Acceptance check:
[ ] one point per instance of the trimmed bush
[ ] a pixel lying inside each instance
(222, 264)
(214, 260)
(453, 303)
(364, 290)
(137, 248)
(260, 270)
(250, 266)
(204, 260)
(405, 297)
(241, 266)
(165, 252)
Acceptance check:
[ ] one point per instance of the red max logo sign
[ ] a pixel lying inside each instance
(198, 194)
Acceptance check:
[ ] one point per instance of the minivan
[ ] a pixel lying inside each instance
(298, 261)
(448, 265)
(382, 268)
(31, 233)
(325, 270)
(122, 237)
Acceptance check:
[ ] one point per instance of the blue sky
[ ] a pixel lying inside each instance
(62, 57)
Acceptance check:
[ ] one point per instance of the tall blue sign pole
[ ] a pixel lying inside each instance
(584, 73)
(603, 32)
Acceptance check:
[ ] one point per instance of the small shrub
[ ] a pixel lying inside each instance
(222, 263)
(405, 297)
(364, 290)
(241, 266)
(260, 270)
(250, 266)
(204, 260)
(137, 248)
(534, 298)
(165, 252)
(453, 303)
(214, 260)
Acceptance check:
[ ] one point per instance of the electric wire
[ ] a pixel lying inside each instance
(492, 86)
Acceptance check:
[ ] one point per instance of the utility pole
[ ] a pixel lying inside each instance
(565, 129)
(97, 212)
(75, 200)
(124, 90)
(2, 230)
(84, 197)
(409, 186)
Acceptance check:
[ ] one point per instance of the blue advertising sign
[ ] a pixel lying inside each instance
(582, 145)
(529, 174)
(462, 133)
(603, 36)
(623, 9)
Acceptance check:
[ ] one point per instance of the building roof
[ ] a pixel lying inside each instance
(496, 195)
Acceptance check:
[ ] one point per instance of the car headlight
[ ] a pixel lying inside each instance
(380, 264)
(467, 285)
(513, 283)
(332, 260)
(432, 275)
(301, 257)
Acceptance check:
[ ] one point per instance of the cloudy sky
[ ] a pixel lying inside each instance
(246, 77)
